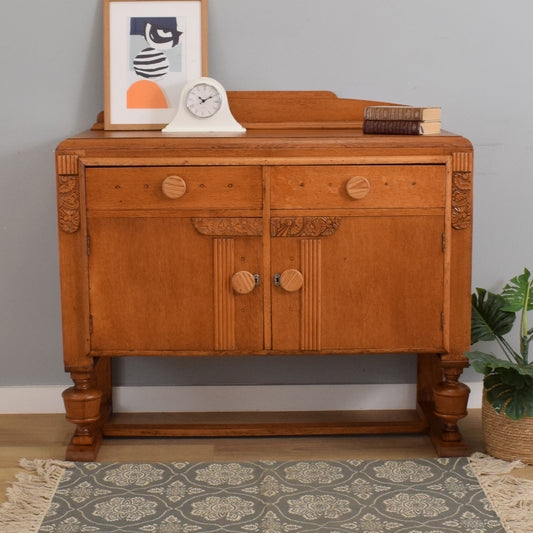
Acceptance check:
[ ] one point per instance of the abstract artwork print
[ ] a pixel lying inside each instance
(155, 46)
(152, 48)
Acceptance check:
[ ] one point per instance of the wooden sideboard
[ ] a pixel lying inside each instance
(301, 236)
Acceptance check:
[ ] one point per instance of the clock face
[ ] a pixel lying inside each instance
(203, 100)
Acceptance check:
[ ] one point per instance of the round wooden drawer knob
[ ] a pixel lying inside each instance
(174, 187)
(357, 187)
(243, 282)
(291, 280)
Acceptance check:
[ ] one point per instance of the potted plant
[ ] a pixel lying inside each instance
(507, 409)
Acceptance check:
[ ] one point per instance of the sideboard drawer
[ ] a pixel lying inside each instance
(128, 188)
(358, 186)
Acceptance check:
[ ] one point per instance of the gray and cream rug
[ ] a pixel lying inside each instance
(450, 495)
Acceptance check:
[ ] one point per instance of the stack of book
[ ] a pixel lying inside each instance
(401, 120)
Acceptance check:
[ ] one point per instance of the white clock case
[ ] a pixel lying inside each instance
(185, 122)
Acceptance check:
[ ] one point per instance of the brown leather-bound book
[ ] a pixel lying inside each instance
(401, 127)
(384, 112)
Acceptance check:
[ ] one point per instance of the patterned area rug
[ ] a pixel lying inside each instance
(450, 495)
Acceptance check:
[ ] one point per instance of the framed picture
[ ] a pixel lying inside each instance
(151, 49)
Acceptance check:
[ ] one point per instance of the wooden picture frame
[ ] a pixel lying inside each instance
(151, 49)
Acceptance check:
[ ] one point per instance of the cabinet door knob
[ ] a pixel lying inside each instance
(174, 187)
(357, 187)
(244, 282)
(291, 280)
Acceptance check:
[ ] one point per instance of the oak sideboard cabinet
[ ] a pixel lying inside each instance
(301, 236)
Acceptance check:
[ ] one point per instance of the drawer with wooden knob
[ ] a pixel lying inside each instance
(358, 186)
(167, 188)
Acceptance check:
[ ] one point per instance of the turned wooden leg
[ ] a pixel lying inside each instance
(450, 397)
(82, 406)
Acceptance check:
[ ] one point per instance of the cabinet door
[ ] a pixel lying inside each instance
(374, 283)
(157, 284)
(160, 274)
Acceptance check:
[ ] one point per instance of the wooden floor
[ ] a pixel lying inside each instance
(46, 436)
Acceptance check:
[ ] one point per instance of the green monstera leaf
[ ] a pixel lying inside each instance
(519, 297)
(486, 363)
(489, 319)
(517, 293)
(510, 392)
(508, 379)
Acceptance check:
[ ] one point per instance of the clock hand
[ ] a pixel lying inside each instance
(204, 100)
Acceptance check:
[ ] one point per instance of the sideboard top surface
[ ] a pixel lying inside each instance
(278, 123)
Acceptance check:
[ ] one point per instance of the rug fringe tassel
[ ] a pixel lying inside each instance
(511, 497)
(29, 498)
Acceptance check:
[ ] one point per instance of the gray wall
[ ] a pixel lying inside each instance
(472, 58)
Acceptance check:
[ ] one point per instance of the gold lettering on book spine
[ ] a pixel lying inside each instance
(304, 226)
(462, 190)
(68, 193)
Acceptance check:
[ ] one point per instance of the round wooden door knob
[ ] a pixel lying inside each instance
(243, 282)
(291, 280)
(174, 187)
(357, 187)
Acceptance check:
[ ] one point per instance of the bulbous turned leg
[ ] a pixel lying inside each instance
(82, 406)
(451, 398)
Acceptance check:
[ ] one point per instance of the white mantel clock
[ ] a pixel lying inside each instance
(203, 107)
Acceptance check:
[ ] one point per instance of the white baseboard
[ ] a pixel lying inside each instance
(47, 399)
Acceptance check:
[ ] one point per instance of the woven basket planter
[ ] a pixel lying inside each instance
(507, 439)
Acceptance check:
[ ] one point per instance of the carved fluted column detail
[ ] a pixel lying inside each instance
(223, 253)
(462, 163)
(68, 193)
(310, 253)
